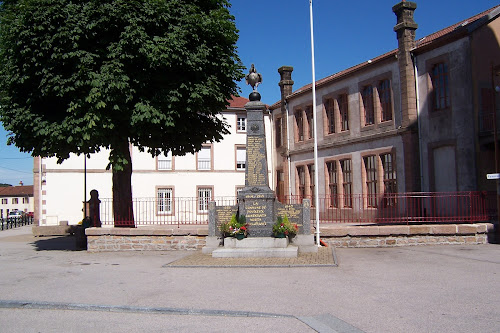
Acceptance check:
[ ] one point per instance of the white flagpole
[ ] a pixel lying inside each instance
(316, 187)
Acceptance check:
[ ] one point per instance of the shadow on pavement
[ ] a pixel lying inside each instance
(63, 243)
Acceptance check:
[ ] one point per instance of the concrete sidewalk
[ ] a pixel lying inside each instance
(46, 286)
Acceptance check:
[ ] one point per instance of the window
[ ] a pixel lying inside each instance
(4, 201)
(280, 185)
(440, 87)
(330, 115)
(384, 95)
(279, 125)
(164, 198)
(389, 179)
(204, 158)
(241, 124)
(310, 122)
(332, 183)
(310, 169)
(371, 180)
(301, 173)
(241, 158)
(367, 99)
(343, 103)
(346, 168)
(15, 200)
(26, 200)
(299, 124)
(204, 197)
(165, 162)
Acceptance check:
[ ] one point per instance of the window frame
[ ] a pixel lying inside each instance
(311, 186)
(384, 93)
(236, 149)
(329, 105)
(347, 181)
(172, 201)
(343, 100)
(371, 179)
(333, 183)
(389, 178)
(278, 125)
(211, 160)
(382, 101)
(161, 158)
(241, 127)
(440, 86)
(199, 188)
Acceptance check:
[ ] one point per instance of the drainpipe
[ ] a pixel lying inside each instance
(288, 152)
(419, 123)
(271, 163)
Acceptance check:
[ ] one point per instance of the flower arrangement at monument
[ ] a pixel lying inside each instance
(283, 228)
(237, 227)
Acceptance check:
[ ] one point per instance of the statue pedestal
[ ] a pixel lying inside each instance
(256, 247)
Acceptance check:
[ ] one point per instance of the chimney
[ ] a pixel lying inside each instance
(405, 30)
(286, 82)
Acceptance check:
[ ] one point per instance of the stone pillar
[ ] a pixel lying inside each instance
(256, 200)
(286, 88)
(405, 30)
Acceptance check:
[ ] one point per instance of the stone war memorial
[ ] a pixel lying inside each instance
(257, 202)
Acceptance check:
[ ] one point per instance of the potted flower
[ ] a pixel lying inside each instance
(283, 228)
(237, 227)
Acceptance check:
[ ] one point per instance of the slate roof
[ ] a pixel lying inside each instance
(454, 31)
(16, 191)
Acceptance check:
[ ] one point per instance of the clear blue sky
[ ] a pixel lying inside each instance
(274, 33)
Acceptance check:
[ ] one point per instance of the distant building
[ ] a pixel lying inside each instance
(159, 184)
(418, 118)
(14, 198)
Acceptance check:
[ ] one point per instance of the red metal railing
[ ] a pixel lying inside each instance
(153, 211)
(416, 207)
(423, 207)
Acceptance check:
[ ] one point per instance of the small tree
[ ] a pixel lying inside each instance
(80, 76)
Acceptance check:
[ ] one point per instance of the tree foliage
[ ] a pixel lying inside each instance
(79, 76)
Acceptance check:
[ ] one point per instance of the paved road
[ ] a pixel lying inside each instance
(47, 287)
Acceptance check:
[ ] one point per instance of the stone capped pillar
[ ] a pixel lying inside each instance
(405, 30)
(256, 200)
(286, 89)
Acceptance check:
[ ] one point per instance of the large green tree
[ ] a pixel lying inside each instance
(80, 76)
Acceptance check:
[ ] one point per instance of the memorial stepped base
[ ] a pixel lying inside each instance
(256, 247)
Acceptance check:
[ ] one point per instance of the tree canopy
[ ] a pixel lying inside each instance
(79, 76)
(76, 76)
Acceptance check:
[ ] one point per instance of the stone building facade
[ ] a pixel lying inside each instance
(412, 119)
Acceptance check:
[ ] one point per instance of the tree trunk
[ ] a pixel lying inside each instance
(122, 190)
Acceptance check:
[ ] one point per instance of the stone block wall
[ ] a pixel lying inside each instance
(164, 238)
(146, 239)
(405, 235)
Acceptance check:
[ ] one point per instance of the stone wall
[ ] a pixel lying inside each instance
(163, 238)
(146, 239)
(405, 235)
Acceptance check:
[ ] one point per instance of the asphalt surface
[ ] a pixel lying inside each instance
(47, 286)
